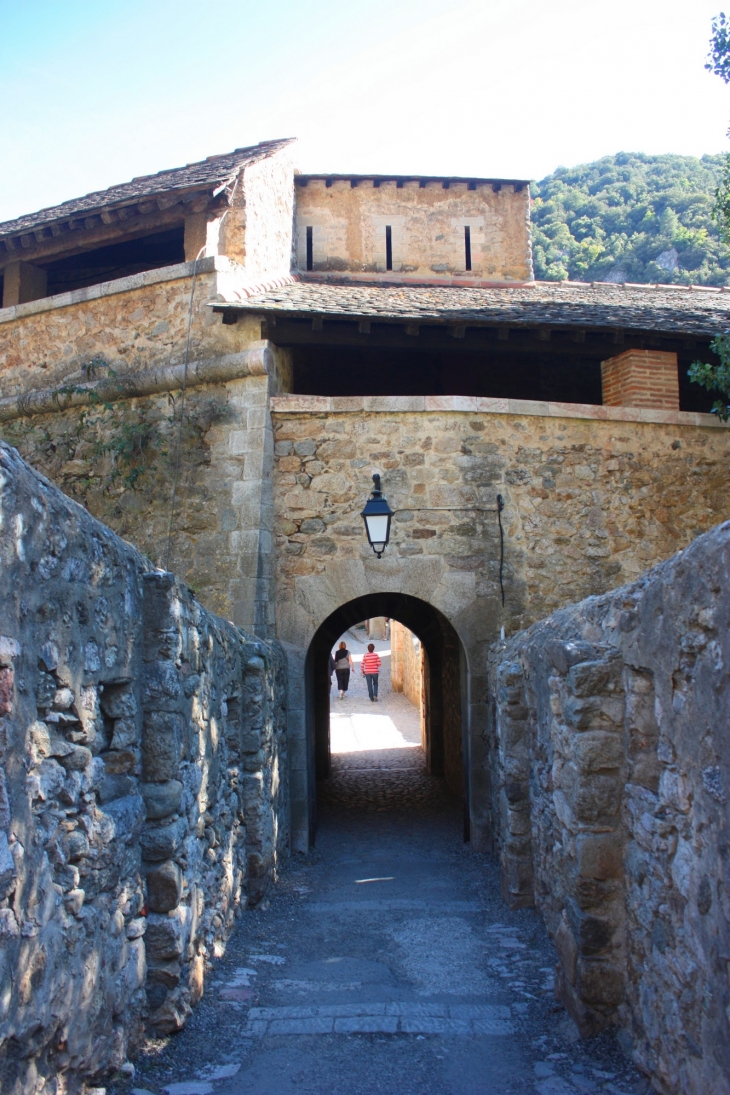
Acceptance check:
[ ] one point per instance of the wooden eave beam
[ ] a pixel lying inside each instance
(109, 225)
(596, 343)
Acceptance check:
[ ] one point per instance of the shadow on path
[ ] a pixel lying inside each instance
(386, 961)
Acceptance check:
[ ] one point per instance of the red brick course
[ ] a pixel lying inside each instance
(641, 378)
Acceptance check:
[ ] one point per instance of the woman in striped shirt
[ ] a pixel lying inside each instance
(370, 669)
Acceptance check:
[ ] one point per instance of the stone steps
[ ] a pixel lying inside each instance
(380, 1018)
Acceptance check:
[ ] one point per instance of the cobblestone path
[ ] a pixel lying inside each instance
(386, 962)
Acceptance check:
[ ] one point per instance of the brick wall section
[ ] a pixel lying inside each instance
(611, 775)
(143, 789)
(641, 378)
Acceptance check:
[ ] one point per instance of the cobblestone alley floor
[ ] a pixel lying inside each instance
(385, 962)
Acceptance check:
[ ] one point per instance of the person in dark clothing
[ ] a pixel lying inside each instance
(343, 665)
(332, 669)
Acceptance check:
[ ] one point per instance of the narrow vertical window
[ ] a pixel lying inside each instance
(310, 248)
(467, 247)
(388, 247)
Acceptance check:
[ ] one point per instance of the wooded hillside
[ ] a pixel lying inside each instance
(631, 217)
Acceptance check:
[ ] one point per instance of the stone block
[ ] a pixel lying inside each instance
(599, 982)
(161, 799)
(118, 703)
(600, 855)
(593, 712)
(593, 678)
(163, 842)
(119, 761)
(168, 974)
(162, 738)
(76, 759)
(126, 733)
(161, 687)
(567, 948)
(128, 816)
(564, 655)
(596, 749)
(596, 798)
(592, 933)
(164, 939)
(517, 882)
(113, 787)
(588, 1020)
(164, 887)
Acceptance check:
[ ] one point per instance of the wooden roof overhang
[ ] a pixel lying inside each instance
(580, 337)
(110, 224)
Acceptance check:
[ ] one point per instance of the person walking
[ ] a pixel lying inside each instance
(370, 668)
(343, 665)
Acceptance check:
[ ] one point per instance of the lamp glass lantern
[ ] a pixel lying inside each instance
(377, 517)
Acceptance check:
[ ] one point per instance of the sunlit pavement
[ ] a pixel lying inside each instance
(357, 725)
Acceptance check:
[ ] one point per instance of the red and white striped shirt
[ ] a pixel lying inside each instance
(370, 663)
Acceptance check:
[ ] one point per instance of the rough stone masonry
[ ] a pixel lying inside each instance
(612, 768)
(143, 789)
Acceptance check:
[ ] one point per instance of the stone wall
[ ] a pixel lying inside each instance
(143, 788)
(589, 502)
(119, 460)
(406, 668)
(612, 768)
(131, 330)
(427, 226)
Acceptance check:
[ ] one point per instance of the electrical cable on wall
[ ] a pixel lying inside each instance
(500, 507)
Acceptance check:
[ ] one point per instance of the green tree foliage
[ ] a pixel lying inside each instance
(631, 217)
(718, 62)
(719, 57)
(716, 377)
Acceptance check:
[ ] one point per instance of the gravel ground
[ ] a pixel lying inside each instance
(385, 961)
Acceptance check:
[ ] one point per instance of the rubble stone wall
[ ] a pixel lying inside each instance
(132, 330)
(611, 771)
(143, 788)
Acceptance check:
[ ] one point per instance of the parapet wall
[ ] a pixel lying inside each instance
(143, 789)
(612, 763)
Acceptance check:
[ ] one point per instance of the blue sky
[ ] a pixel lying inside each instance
(94, 92)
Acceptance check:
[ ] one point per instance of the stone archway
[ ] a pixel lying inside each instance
(307, 595)
(446, 714)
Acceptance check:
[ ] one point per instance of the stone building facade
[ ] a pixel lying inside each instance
(216, 359)
(455, 384)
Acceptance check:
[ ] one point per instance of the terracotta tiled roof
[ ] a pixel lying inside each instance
(692, 311)
(212, 172)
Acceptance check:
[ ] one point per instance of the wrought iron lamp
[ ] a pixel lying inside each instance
(377, 516)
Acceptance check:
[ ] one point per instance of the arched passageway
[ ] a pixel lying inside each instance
(444, 695)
